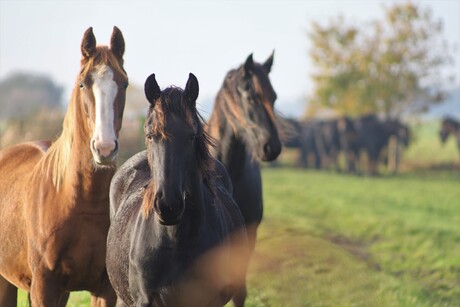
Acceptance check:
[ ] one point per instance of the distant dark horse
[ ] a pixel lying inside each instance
(373, 135)
(177, 237)
(450, 126)
(324, 139)
(243, 121)
(398, 139)
(332, 137)
(308, 144)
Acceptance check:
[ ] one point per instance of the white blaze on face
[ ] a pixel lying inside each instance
(105, 90)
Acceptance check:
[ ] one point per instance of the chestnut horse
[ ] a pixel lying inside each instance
(244, 123)
(54, 198)
(177, 237)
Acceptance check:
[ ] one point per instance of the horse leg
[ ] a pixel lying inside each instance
(106, 298)
(351, 163)
(335, 160)
(45, 290)
(372, 167)
(120, 303)
(240, 296)
(8, 293)
(104, 301)
(302, 160)
(63, 299)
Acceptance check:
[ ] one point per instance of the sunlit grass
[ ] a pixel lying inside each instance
(361, 241)
(77, 299)
(427, 150)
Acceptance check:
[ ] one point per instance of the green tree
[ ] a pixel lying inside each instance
(391, 66)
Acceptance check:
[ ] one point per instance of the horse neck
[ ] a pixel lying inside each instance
(231, 149)
(76, 167)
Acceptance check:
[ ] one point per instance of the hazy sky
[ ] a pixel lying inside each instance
(173, 38)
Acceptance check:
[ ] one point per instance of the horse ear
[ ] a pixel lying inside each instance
(117, 42)
(151, 89)
(248, 66)
(88, 44)
(269, 62)
(192, 89)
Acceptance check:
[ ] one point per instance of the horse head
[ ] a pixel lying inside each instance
(177, 148)
(254, 107)
(102, 87)
(448, 126)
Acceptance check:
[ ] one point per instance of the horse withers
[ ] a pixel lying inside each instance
(245, 124)
(177, 237)
(54, 197)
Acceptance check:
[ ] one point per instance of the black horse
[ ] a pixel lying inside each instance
(322, 139)
(176, 237)
(244, 123)
(373, 135)
(332, 137)
(449, 126)
(400, 134)
(309, 144)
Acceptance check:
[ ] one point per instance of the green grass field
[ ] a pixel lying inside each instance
(331, 239)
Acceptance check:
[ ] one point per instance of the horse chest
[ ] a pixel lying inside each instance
(68, 239)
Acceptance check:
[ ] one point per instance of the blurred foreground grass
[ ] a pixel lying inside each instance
(331, 239)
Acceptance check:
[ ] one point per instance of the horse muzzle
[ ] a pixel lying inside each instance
(104, 152)
(270, 150)
(169, 209)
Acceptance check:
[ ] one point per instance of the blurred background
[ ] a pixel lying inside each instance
(363, 206)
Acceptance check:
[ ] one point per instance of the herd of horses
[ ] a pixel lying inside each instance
(176, 224)
(321, 141)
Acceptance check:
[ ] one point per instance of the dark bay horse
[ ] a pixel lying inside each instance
(54, 197)
(449, 126)
(373, 135)
(243, 121)
(177, 237)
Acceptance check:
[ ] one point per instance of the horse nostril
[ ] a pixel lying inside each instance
(105, 149)
(156, 201)
(267, 149)
(169, 212)
(271, 150)
(93, 146)
(116, 147)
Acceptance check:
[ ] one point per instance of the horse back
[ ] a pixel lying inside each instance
(16, 164)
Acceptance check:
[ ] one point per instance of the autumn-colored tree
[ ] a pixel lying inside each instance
(390, 66)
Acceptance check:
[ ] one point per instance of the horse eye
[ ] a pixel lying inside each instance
(82, 85)
(125, 85)
(192, 137)
(149, 137)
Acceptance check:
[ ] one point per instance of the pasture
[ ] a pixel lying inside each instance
(331, 239)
